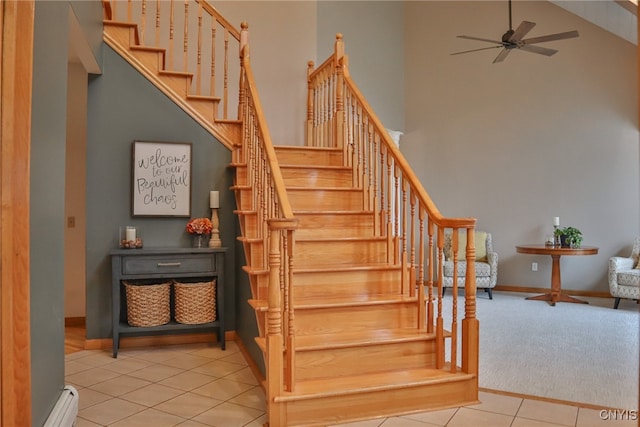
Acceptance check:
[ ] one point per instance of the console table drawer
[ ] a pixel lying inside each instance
(161, 264)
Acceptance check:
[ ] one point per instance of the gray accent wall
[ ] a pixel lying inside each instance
(125, 107)
(48, 139)
(48, 145)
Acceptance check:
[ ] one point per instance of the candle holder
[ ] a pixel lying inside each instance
(556, 235)
(214, 241)
(130, 237)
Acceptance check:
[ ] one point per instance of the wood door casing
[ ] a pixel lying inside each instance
(16, 70)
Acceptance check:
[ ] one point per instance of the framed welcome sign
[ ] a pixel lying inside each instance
(161, 179)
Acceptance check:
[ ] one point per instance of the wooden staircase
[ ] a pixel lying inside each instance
(340, 240)
(359, 352)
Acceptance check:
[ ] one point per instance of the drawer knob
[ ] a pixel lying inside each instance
(169, 264)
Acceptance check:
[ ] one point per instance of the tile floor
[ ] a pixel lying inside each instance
(199, 385)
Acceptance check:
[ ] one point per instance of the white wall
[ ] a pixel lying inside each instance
(512, 144)
(374, 42)
(282, 39)
(516, 143)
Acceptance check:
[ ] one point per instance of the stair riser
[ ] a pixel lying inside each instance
(178, 83)
(311, 254)
(244, 199)
(249, 225)
(208, 108)
(346, 283)
(322, 200)
(259, 286)
(151, 60)
(357, 318)
(339, 289)
(124, 35)
(304, 156)
(254, 252)
(333, 363)
(346, 278)
(335, 225)
(339, 409)
(241, 175)
(315, 177)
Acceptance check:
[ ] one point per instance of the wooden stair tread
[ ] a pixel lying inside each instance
(203, 98)
(341, 301)
(333, 212)
(255, 271)
(360, 338)
(305, 148)
(116, 23)
(322, 167)
(346, 385)
(147, 48)
(343, 189)
(356, 338)
(343, 239)
(351, 300)
(175, 73)
(360, 267)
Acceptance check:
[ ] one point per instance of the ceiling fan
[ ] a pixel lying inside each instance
(513, 40)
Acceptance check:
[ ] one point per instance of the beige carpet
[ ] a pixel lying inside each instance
(574, 352)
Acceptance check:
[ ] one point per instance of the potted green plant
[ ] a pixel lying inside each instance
(569, 237)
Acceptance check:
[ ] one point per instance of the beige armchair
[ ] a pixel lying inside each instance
(486, 263)
(624, 275)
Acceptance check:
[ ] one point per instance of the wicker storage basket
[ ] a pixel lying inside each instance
(148, 305)
(195, 303)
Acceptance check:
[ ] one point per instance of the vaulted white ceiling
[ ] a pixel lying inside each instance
(619, 17)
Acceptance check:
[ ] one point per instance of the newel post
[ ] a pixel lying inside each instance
(339, 113)
(279, 297)
(310, 103)
(275, 347)
(470, 324)
(243, 53)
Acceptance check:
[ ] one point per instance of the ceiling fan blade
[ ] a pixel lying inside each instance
(551, 37)
(539, 50)
(502, 55)
(521, 31)
(480, 39)
(475, 50)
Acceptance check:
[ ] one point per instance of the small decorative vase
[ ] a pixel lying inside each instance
(200, 241)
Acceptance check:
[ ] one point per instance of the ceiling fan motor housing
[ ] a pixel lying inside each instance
(506, 36)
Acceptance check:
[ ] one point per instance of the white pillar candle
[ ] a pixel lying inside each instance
(214, 199)
(130, 233)
(556, 221)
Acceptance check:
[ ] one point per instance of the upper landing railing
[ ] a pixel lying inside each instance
(197, 40)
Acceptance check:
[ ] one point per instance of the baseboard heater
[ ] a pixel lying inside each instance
(66, 410)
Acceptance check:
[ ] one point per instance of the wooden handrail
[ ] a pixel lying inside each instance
(221, 19)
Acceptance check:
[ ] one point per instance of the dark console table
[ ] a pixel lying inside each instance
(146, 265)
